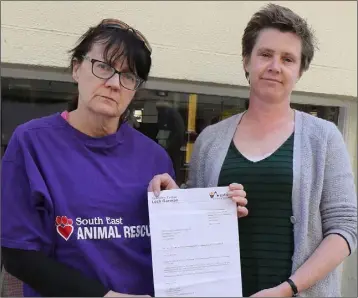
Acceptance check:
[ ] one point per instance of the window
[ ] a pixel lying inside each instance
(171, 119)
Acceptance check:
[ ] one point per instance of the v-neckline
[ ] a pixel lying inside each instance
(266, 156)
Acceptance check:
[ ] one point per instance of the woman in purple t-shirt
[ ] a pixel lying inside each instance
(74, 184)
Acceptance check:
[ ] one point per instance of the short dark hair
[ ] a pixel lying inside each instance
(285, 20)
(118, 43)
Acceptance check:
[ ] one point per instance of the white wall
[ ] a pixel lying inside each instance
(192, 40)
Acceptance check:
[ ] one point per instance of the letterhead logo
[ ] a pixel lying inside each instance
(215, 195)
(64, 227)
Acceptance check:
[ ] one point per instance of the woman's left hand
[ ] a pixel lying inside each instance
(238, 195)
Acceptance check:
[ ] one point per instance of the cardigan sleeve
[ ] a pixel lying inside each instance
(339, 198)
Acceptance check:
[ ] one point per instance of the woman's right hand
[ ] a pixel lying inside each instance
(161, 182)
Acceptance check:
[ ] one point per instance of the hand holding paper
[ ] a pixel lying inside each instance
(236, 191)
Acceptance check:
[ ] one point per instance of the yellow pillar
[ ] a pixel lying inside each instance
(193, 98)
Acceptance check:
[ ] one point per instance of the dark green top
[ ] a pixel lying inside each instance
(266, 234)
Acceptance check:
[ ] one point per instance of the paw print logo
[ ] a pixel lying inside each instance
(64, 226)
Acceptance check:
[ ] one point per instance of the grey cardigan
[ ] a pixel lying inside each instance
(324, 199)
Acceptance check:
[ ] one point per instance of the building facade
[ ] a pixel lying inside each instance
(197, 76)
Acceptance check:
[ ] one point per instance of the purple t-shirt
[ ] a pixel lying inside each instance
(82, 200)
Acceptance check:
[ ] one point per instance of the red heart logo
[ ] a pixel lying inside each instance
(65, 231)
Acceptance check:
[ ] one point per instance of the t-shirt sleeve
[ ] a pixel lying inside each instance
(169, 167)
(171, 170)
(165, 166)
(24, 208)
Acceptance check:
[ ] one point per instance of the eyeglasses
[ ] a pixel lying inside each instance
(113, 23)
(103, 70)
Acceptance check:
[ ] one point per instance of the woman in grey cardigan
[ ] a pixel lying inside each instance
(302, 203)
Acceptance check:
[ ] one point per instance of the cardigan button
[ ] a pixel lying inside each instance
(293, 219)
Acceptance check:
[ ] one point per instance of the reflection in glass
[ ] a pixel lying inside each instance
(171, 119)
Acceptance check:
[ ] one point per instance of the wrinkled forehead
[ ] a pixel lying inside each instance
(114, 55)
